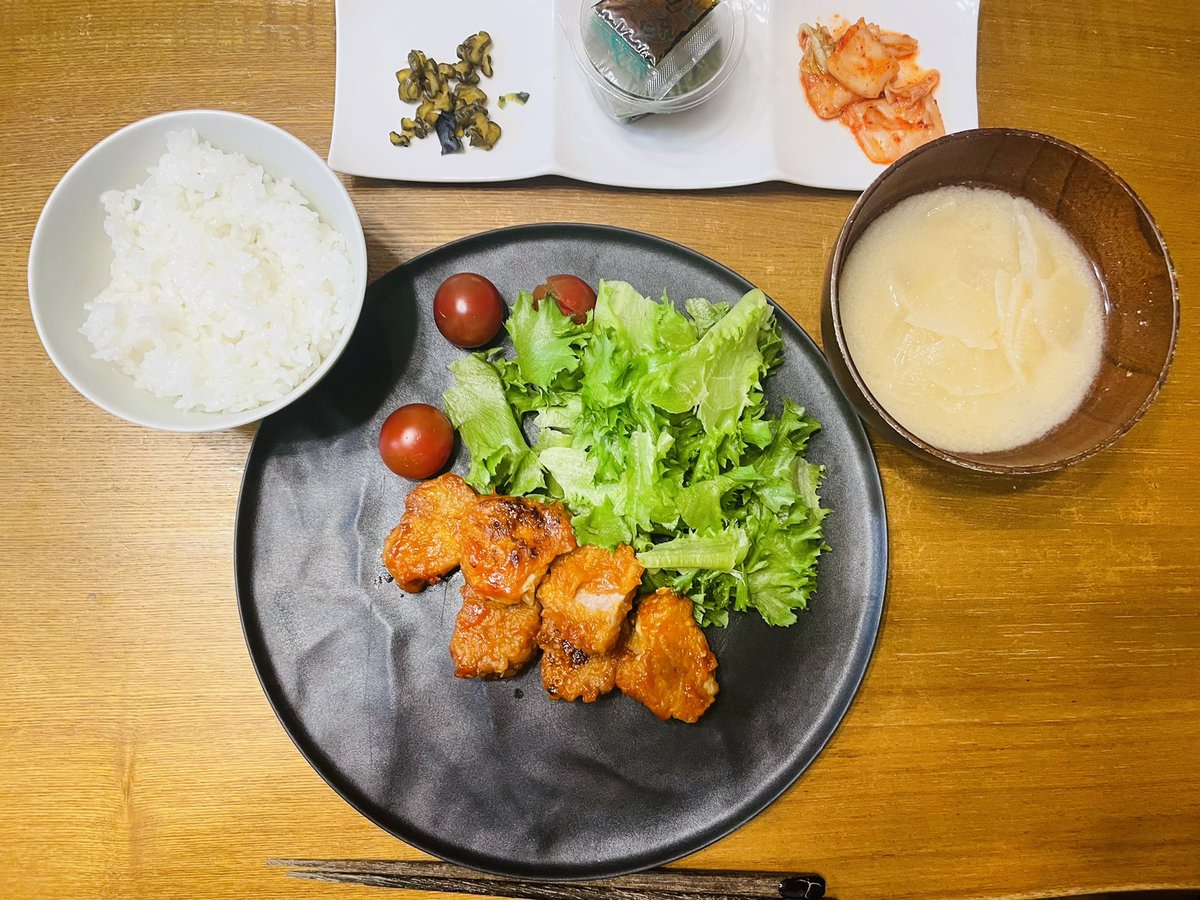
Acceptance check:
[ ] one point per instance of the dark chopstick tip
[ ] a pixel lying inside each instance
(802, 887)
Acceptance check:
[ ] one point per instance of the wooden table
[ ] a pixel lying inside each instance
(1030, 721)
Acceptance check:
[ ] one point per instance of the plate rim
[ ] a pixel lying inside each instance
(876, 599)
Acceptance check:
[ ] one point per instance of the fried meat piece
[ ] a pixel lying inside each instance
(426, 545)
(508, 543)
(491, 639)
(570, 674)
(587, 595)
(665, 663)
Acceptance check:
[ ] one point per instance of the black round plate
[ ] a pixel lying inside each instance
(492, 774)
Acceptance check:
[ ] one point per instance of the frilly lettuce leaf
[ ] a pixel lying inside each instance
(500, 457)
(653, 428)
(545, 341)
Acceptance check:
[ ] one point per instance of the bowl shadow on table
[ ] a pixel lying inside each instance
(968, 497)
(353, 391)
(940, 478)
(381, 255)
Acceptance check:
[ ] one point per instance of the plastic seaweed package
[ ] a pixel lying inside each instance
(645, 47)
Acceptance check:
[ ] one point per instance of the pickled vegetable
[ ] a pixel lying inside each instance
(448, 109)
(518, 97)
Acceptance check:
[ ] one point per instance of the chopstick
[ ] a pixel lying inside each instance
(656, 884)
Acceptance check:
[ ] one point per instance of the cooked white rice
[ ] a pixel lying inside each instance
(227, 290)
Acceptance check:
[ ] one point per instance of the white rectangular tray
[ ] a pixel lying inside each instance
(757, 128)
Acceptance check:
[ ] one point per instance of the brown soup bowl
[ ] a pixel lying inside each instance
(1113, 228)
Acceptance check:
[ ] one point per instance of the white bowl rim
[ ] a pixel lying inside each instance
(211, 421)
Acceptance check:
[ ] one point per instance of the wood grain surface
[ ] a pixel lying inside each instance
(1029, 724)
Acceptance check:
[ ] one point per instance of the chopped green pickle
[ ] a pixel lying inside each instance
(451, 111)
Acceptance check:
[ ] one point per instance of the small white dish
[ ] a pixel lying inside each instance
(758, 127)
(70, 255)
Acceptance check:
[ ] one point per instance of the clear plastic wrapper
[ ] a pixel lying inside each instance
(646, 46)
(655, 56)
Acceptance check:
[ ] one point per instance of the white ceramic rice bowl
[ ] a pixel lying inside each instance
(70, 256)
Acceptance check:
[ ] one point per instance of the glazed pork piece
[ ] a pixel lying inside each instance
(569, 673)
(493, 639)
(508, 543)
(586, 598)
(426, 545)
(666, 663)
(504, 545)
(587, 594)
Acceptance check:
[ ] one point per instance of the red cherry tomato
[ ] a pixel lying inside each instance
(468, 310)
(574, 296)
(415, 441)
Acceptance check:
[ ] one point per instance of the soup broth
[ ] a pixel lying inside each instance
(973, 318)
